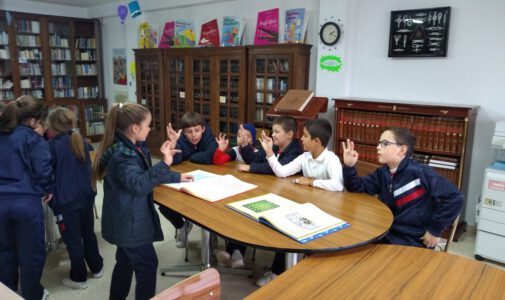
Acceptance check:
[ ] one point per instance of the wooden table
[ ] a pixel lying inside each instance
(386, 272)
(370, 219)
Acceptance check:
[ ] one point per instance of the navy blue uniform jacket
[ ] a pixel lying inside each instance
(201, 153)
(421, 200)
(258, 160)
(128, 216)
(25, 165)
(73, 177)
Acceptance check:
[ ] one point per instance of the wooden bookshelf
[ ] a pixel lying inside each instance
(443, 133)
(56, 60)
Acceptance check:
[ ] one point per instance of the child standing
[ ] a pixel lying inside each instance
(246, 136)
(128, 216)
(26, 177)
(74, 198)
(423, 202)
(196, 145)
(321, 168)
(286, 147)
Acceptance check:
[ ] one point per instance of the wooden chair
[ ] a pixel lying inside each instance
(204, 285)
(443, 245)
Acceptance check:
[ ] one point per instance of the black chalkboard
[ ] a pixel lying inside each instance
(419, 32)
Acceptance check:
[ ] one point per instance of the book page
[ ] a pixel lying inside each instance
(258, 206)
(217, 187)
(304, 222)
(197, 176)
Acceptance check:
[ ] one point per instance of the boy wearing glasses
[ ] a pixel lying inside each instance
(423, 202)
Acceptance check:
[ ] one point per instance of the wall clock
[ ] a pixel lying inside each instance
(329, 33)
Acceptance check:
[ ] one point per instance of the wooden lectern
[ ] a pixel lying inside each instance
(315, 106)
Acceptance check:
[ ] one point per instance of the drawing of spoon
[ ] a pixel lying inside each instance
(440, 18)
(445, 17)
(404, 41)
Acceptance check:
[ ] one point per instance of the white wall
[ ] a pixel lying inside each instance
(471, 74)
(43, 8)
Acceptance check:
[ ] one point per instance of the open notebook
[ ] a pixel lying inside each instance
(212, 187)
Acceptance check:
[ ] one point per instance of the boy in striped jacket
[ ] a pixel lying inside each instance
(423, 202)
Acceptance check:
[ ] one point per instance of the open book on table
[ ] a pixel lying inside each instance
(212, 187)
(302, 222)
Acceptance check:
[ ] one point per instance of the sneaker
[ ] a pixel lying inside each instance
(99, 274)
(237, 260)
(223, 258)
(45, 294)
(266, 278)
(181, 236)
(75, 284)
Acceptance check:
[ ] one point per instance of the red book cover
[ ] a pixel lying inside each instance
(267, 27)
(209, 36)
(167, 38)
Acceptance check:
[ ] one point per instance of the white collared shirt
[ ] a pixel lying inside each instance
(326, 169)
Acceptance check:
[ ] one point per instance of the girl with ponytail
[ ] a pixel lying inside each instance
(129, 219)
(74, 198)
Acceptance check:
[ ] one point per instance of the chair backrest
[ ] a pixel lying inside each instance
(204, 285)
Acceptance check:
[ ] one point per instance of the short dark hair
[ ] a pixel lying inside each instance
(287, 123)
(191, 119)
(405, 137)
(319, 128)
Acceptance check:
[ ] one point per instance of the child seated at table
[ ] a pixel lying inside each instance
(423, 202)
(246, 136)
(197, 145)
(286, 147)
(321, 168)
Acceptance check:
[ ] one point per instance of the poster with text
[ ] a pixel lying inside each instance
(119, 66)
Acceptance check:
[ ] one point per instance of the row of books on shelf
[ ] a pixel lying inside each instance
(272, 66)
(6, 83)
(87, 92)
(27, 26)
(6, 95)
(86, 69)
(56, 40)
(95, 128)
(60, 54)
(4, 53)
(37, 94)
(81, 43)
(63, 92)
(32, 83)
(272, 83)
(85, 54)
(26, 54)
(59, 68)
(28, 40)
(4, 38)
(30, 69)
(441, 134)
(94, 112)
(61, 82)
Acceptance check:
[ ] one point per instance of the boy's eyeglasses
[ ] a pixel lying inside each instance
(384, 144)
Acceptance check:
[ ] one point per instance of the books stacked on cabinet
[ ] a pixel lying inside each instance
(94, 116)
(61, 60)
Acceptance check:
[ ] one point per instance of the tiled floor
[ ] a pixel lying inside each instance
(233, 286)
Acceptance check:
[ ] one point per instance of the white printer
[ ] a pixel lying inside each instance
(490, 241)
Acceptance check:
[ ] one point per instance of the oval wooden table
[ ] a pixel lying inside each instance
(370, 219)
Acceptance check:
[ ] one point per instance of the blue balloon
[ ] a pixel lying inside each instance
(122, 12)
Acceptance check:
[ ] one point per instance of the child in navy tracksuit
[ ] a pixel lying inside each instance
(129, 219)
(197, 145)
(286, 147)
(74, 198)
(26, 178)
(423, 202)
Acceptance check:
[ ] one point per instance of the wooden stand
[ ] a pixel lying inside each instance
(315, 106)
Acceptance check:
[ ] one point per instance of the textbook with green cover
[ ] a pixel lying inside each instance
(301, 222)
(211, 187)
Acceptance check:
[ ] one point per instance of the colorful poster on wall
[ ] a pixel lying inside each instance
(119, 66)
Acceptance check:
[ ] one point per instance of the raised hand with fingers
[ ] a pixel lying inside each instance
(223, 142)
(173, 136)
(350, 156)
(267, 143)
(168, 152)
